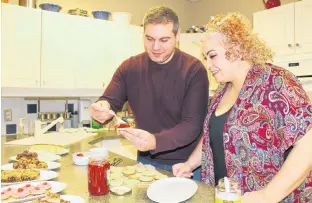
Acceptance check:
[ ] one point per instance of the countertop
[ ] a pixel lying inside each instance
(76, 176)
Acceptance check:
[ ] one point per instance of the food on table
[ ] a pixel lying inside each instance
(122, 125)
(132, 176)
(141, 169)
(51, 198)
(128, 172)
(116, 182)
(160, 176)
(80, 154)
(19, 175)
(131, 182)
(28, 187)
(120, 190)
(5, 195)
(27, 154)
(146, 179)
(45, 185)
(25, 191)
(29, 163)
(20, 193)
(149, 173)
(54, 149)
(38, 190)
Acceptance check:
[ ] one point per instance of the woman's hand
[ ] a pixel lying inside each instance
(182, 170)
(259, 196)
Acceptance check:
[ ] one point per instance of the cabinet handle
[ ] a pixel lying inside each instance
(43, 82)
(103, 84)
(298, 44)
(289, 45)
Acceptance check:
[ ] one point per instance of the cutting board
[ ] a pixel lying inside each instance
(57, 138)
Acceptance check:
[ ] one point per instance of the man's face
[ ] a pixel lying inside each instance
(160, 42)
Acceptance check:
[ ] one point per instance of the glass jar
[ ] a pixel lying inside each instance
(231, 196)
(98, 168)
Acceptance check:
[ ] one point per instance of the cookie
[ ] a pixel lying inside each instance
(146, 179)
(128, 172)
(141, 169)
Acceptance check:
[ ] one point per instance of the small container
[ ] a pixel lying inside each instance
(31, 128)
(20, 131)
(231, 194)
(75, 120)
(98, 168)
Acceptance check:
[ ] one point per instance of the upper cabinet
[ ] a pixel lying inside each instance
(191, 44)
(80, 52)
(54, 50)
(21, 35)
(286, 28)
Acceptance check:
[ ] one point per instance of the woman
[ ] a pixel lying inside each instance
(254, 118)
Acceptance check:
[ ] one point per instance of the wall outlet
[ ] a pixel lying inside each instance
(7, 113)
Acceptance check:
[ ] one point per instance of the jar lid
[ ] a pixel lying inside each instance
(120, 190)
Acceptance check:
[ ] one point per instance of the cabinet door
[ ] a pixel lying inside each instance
(191, 44)
(21, 43)
(276, 27)
(303, 25)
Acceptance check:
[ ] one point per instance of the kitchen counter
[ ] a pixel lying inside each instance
(76, 176)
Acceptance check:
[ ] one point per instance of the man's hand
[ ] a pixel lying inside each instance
(100, 111)
(141, 139)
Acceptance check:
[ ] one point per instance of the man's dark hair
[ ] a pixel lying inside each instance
(162, 15)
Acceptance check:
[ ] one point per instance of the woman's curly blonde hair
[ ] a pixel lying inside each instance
(241, 41)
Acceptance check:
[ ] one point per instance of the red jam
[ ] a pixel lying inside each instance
(123, 125)
(2, 193)
(97, 177)
(20, 190)
(79, 154)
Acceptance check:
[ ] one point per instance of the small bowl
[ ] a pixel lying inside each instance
(50, 7)
(104, 15)
(83, 160)
(100, 151)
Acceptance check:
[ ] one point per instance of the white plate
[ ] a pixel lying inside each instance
(44, 175)
(56, 187)
(72, 198)
(51, 166)
(43, 156)
(172, 190)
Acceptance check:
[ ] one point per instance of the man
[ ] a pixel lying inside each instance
(167, 91)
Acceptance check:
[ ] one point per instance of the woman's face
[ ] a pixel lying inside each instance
(213, 50)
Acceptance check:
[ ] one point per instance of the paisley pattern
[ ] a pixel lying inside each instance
(270, 115)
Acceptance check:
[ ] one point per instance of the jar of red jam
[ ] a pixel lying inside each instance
(98, 167)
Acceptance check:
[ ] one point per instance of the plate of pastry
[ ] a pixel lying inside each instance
(11, 177)
(30, 191)
(41, 155)
(31, 164)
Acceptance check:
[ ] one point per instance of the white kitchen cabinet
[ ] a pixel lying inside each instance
(191, 44)
(21, 36)
(79, 52)
(286, 28)
(303, 27)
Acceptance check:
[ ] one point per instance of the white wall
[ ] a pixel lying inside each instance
(19, 109)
